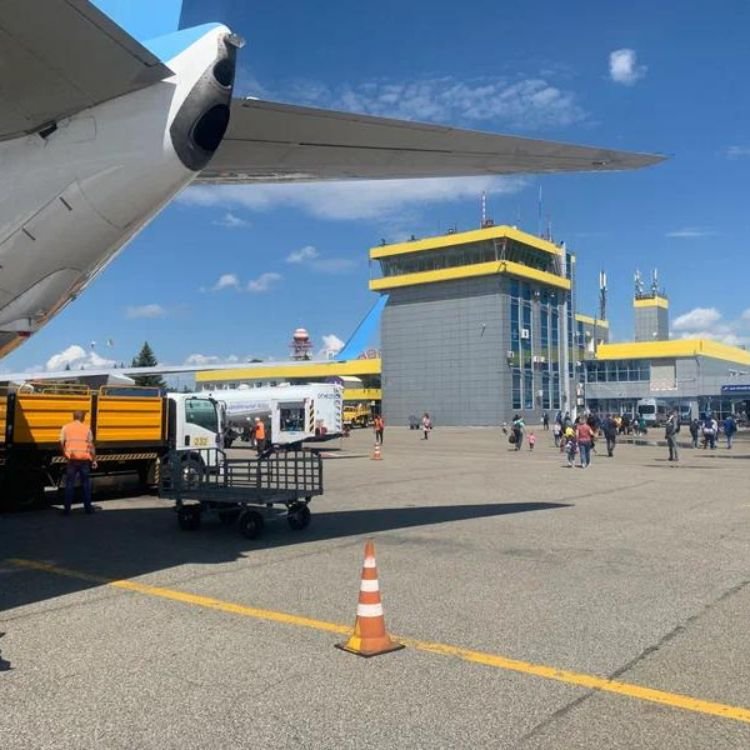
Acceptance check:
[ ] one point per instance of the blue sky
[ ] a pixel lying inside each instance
(678, 86)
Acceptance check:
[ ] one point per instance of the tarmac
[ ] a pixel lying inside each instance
(541, 606)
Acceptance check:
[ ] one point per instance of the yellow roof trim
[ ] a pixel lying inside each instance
(592, 321)
(292, 371)
(463, 238)
(652, 302)
(466, 272)
(363, 394)
(673, 349)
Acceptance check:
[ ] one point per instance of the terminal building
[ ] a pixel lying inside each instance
(478, 326)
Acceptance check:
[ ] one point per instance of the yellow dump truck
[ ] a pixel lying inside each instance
(357, 415)
(133, 428)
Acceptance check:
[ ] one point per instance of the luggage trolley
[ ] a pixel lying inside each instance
(249, 491)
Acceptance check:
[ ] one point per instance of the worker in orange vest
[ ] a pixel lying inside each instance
(260, 435)
(379, 425)
(77, 445)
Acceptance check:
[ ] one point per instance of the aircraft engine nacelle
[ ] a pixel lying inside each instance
(73, 196)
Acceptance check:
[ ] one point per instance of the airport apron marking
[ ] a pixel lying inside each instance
(579, 679)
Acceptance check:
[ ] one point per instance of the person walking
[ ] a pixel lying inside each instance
(518, 431)
(532, 440)
(730, 427)
(556, 433)
(609, 428)
(77, 444)
(695, 429)
(671, 429)
(260, 435)
(379, 426)
(569, 445)
(710, 428)
(584, 438)
(545, 420)
(426, 425)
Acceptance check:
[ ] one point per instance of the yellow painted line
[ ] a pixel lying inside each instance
(579, 679)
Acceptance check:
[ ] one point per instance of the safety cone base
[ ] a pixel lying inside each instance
(353, 648)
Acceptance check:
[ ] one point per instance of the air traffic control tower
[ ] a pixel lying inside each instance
(475, 327)
(651, 309)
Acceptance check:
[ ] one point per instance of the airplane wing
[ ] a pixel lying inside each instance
(268, 142)
(96, 373)
(62, 56)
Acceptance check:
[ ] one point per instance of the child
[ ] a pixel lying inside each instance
(532, 441)
(570, 445)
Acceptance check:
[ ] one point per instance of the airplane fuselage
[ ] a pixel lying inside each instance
(76, 192)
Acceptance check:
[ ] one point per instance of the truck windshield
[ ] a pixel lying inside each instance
(647, 409)
(202, 413)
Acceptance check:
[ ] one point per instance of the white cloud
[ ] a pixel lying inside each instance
(527, 103)
(145, 311)
(738, 152)
(697, 319)
(303, 254)
(77, 357)
(332, 345)
(210, 359)
(624, 68)
(226, 281)
(231, 221)
(709, 323)
(309, 257)
(347, 201)
(263, 283)
(691, 233)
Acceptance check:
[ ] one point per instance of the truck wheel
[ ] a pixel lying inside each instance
(251, 524)
(192, 473)
(298, 517)
(189, 517)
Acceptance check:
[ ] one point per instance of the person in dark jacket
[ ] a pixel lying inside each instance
(670, 433)
(609, 428)
(730, 427)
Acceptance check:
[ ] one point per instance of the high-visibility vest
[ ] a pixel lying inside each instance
(76, 442)
(260, 431)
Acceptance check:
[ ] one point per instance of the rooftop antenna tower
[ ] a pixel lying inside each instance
(540, 227)
(484, 210)
(602, 295)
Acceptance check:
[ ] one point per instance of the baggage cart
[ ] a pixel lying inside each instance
(248, 491)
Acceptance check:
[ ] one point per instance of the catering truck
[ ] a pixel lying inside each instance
(134, 429)
(295, 413)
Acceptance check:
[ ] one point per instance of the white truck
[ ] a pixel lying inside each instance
(294, 413)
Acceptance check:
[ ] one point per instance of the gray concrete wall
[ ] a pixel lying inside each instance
(444, 352)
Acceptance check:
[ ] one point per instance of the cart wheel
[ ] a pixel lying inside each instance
(189, 517)
(298, 517)
(251, 524)
(229, 517)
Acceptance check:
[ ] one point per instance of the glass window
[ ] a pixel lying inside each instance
(292, 417)
(516, 389)
(528, 391)
(201, 412)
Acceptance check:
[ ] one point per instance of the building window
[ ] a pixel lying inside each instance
(516, 388)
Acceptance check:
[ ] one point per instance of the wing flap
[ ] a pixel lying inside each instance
(63, 56)
(268, 141)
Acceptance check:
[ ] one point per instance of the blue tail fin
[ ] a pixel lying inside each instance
(143, 19)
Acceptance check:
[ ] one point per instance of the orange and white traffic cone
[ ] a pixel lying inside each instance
(376, 454)
(370, 637)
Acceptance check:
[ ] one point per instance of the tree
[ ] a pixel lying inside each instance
(147, 358)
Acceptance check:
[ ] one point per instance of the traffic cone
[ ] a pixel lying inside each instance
(376, 455)
(370, 637)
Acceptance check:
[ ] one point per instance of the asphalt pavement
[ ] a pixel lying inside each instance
(542, 607)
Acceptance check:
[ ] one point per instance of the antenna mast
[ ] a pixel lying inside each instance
(602, 295)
